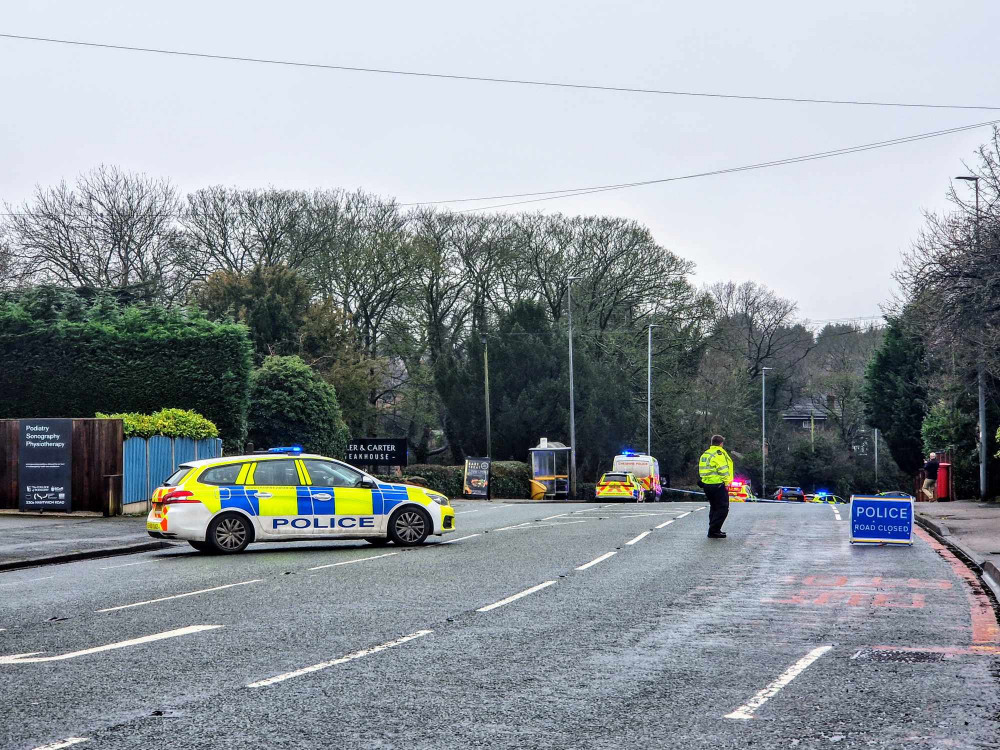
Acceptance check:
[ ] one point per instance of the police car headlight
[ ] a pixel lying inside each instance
(439, 499)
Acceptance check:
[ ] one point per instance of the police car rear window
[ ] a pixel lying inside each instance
(221, 474)
(174, 479)
(615, 477)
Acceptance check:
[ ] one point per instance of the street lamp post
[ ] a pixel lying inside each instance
(979, 369)
(763, 431)
(486, 374)
(649, 390)
(572, 407)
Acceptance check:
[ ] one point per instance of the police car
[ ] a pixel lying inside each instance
(223, 504)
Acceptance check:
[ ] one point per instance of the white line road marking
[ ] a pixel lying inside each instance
(684, 514)
(560, 515)
(60, 744)
(452, 541)
(498, 507)
(27, 580)
(515, 597)
(697, 509)
(360, 559)
(33, 658)
(643, 515)
(836, 513)
(666, 523)
(596, 560)
(178, 596)
(127, 565)
(341, 660)
(518, 526)
(746, 710)
(638, 538)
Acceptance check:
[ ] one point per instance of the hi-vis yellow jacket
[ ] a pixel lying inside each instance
(715, 466)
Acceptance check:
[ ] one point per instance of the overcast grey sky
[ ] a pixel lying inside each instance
(827, 233)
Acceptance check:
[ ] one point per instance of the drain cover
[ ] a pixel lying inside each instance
(907, 657)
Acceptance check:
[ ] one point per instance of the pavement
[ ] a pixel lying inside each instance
(32, 539)
(973, 528)
(531, 626)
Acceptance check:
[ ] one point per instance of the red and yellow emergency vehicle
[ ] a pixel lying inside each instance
(619, 485)
(644, 468)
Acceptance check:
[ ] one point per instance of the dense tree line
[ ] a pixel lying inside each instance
(395, 309)
(944, 331)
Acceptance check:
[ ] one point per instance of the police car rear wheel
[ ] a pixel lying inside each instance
(229, 534)
(409, 527)
(201, 546)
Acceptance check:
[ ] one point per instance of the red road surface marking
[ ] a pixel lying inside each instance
(985, 630)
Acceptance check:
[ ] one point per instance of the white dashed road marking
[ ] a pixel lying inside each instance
(128, 565)
(665, 523)
(341, 660)
(60, 744)
(685, 514)
(639, 538)
(178, 596)
(746, 710)
(452, 541)
(33, 658)
(836, 513)
(515, 597)
(596, 560)
(360, 559)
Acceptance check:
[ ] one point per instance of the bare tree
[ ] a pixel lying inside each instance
(114, 230)
(237, 230)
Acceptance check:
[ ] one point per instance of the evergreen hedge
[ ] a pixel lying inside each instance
(171, 423)
(73, 359)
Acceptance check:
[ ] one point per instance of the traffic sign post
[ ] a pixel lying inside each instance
(881, 520)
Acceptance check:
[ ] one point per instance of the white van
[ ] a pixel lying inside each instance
(645, 468)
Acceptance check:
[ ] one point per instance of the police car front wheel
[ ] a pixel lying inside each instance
(229, 534)
(409, 527)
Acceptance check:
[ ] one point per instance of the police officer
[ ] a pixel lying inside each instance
(715, 472)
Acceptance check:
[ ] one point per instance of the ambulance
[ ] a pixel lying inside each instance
(645, 469)
(220, 505)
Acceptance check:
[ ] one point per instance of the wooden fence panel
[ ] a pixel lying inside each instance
(97, 455)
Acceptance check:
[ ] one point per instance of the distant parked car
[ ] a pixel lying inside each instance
(789, 493)
(896, 493)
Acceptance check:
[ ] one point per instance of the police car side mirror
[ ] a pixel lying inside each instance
(367, 484)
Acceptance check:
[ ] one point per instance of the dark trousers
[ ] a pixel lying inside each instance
(718, 500)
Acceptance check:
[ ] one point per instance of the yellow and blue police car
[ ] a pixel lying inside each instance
(223, 504)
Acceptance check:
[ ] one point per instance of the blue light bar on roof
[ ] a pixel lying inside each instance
(286, 449)
(627, 452)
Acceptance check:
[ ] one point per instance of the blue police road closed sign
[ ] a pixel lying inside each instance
(881, 520)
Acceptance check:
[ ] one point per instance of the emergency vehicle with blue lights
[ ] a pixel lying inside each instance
(221, 505)
(644, 468)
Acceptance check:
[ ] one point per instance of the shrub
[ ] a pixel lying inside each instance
(291, 405)
(173, 423)
(74, 360)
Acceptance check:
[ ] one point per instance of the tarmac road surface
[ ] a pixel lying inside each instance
(533, 626)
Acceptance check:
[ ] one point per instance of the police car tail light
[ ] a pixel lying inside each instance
(178, 496)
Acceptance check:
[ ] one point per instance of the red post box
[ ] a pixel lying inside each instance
(944, 481)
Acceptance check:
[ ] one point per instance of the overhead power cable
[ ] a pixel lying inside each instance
(495, 79)
(549, 195)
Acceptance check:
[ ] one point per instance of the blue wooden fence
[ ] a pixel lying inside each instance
(149, 462)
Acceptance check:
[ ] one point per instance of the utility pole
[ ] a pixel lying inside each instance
(486, 374)
(572, 407)
(876, 459)
(763, 431)
(980, 369)
(649, 390)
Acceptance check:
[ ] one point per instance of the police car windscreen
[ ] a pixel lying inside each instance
(615, 478)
